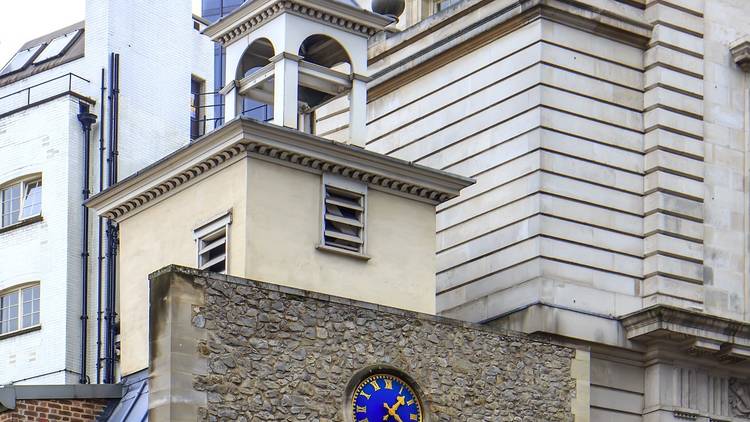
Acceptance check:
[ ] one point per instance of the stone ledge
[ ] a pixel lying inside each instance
(725, 339)
(740, 50)
(22, 223)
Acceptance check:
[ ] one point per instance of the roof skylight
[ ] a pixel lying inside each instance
(55, 47)
(19, 60)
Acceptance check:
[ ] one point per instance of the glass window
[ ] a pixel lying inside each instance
(20, 200)
(9, 312)
(197, 123)
(55, 47)
(19, 60)
(32, 199)
(30, 315)
(11, 204)
(19, 309)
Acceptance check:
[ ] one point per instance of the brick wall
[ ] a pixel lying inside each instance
(55, 410)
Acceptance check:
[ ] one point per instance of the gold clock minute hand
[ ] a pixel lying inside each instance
(392, 410)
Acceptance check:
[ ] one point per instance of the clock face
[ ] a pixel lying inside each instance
(384, 397)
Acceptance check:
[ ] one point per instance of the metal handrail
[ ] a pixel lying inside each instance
(218, 121)
(68, 75)
(50, 88)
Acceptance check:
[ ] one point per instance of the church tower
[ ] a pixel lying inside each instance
(295, 56)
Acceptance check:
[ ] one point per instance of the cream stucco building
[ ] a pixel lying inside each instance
(256, 200)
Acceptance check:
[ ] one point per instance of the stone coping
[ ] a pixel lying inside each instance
(193, 272)
(727, 339)
(10, 393)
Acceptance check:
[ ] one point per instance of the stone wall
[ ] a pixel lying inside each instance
(275, 353)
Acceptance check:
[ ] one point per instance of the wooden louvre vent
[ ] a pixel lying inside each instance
(212, 251)
(343, 219)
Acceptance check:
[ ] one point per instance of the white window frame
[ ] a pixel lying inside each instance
(349, 186)
(216, 225)
(23, 184)
(19, 290)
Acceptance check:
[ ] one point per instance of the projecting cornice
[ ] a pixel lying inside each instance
(740, 50)
(403, 57)
(253, 14)
(696, 332)
(275, 144)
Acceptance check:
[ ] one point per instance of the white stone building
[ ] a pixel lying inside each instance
(42, 92)
(609, 141)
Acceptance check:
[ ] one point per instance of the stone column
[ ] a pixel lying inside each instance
(231, 100)
(358, 111)
(174, 341)
(285, 85)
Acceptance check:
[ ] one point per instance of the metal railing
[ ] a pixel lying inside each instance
(60, 85)
(212, 115)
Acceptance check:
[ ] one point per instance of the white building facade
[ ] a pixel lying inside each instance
(42, 165)
(609, 141)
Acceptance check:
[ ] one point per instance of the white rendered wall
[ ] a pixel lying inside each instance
(160, 51)
(39, 140)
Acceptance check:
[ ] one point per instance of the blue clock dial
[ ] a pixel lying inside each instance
(385, 397)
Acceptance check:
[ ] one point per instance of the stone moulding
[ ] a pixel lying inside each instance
(482, 23)
(740, 50)
(246, 19)
(695, 332)
(280, 145)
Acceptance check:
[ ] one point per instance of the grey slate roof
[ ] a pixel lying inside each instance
(133, 407)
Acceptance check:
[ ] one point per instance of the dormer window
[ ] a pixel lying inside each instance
(20, 201)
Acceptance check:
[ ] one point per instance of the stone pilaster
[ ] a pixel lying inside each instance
(674, 154)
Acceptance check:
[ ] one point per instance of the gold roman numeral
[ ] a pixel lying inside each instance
(413, 417)
(367, 396)
(388, 384)
(375, 385)
(361, 409)
(410, 402)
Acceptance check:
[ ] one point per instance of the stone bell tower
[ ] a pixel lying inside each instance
(296, 55)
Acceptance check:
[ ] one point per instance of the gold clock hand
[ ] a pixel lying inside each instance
(392, 410)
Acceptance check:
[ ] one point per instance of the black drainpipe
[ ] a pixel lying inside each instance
(110, 314)
(87, 119)
(100, 254)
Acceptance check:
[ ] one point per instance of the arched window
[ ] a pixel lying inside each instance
(20, 200)
(256, 56)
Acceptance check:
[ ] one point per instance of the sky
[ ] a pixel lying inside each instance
(24, 20)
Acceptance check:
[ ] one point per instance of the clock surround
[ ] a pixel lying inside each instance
(397, 394)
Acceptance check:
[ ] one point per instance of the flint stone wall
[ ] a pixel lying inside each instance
(276, 353)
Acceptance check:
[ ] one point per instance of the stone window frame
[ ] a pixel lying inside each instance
(19, 291)
(210, 230)
(23, 183)
(383, 368)
(351, 187)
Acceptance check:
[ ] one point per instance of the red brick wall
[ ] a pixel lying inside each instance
(54, 410)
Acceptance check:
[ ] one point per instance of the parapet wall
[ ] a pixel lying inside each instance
(238, 349)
